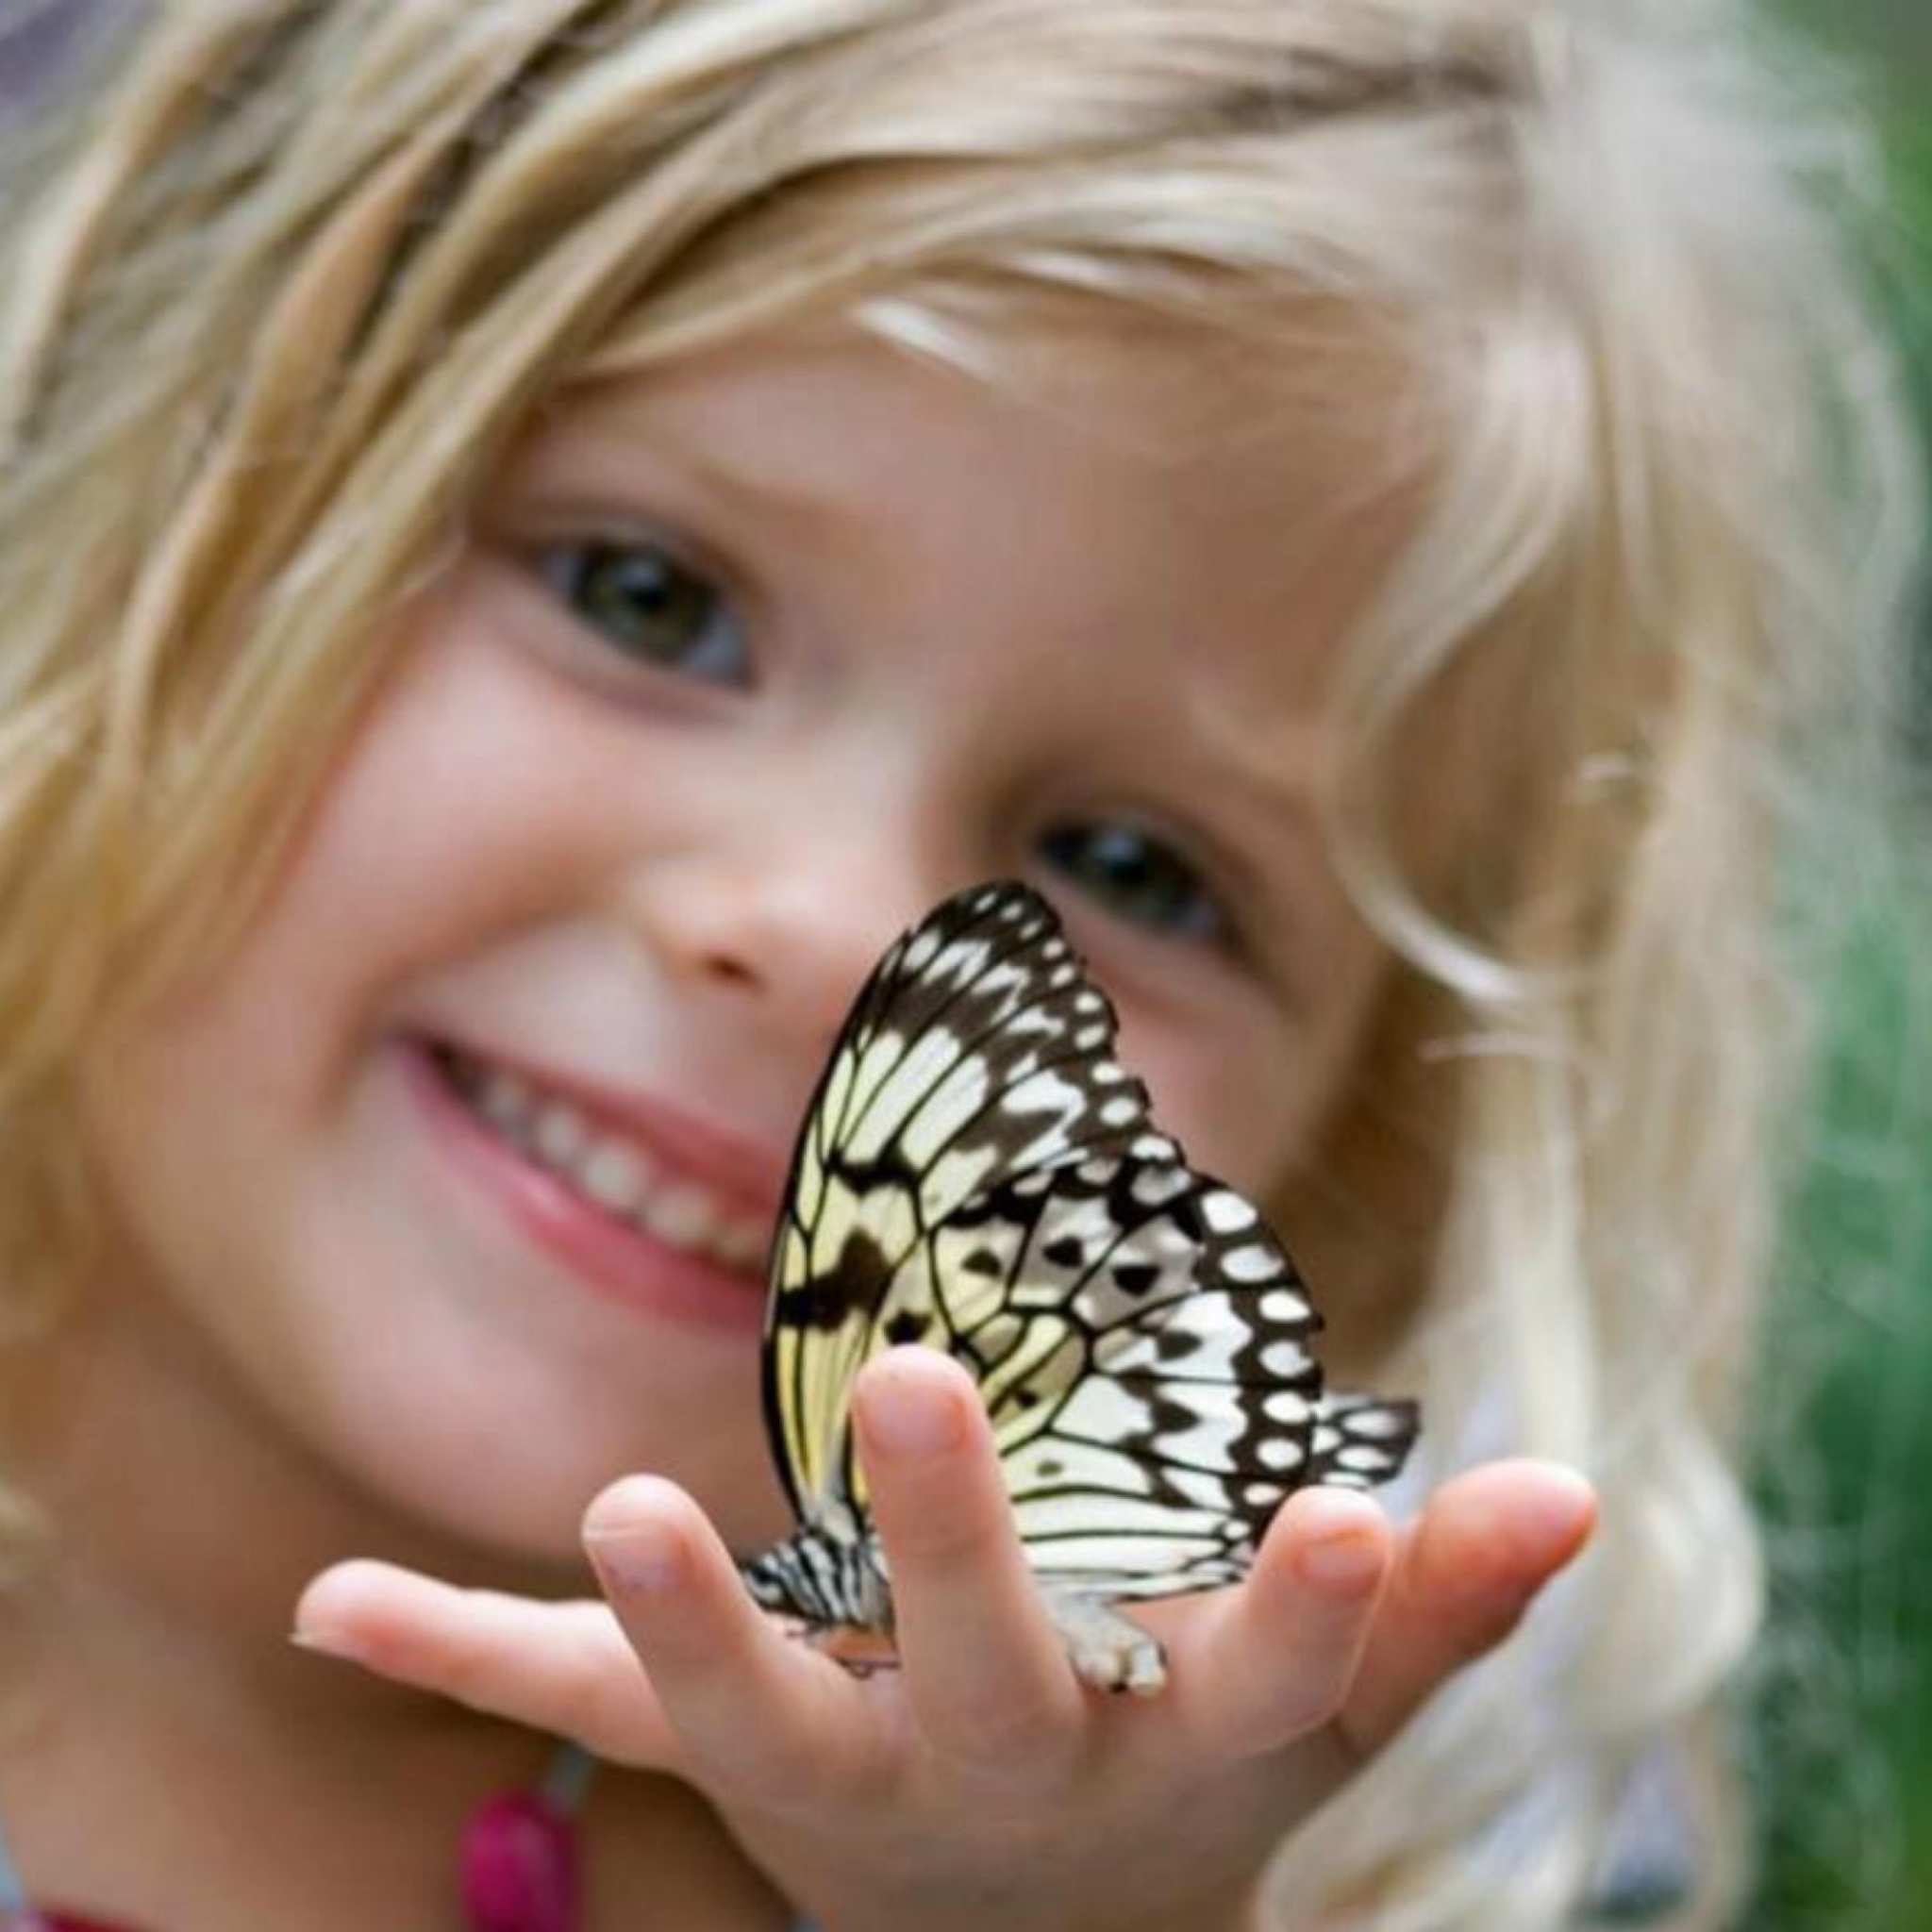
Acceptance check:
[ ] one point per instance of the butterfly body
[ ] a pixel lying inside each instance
(979, 1175)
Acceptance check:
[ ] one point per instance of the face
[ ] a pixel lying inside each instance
(462, 1163)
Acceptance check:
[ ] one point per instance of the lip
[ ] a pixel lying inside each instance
(610, 1256)
(746, 1173)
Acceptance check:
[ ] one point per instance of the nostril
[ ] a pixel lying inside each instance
(730, 971)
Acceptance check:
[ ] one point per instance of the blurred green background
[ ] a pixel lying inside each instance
(1842, 1717)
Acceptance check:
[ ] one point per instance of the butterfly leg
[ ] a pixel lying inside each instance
(1106, 1650)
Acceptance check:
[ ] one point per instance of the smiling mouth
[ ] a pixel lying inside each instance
(608, 1171)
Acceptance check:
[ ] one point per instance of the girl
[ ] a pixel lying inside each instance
(536, 537)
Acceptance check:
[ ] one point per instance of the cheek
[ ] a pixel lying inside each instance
(1240, 1121)
(1249, 1086)
(372, 887)
(259, 1223)
(455, 810)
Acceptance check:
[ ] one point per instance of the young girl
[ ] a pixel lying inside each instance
(534, 537)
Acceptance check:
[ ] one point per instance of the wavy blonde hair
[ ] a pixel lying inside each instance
(296, 272)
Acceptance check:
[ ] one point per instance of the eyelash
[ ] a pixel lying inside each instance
(1202, 917)
(716, 654)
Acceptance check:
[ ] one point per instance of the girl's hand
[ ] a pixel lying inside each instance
(981, 1784)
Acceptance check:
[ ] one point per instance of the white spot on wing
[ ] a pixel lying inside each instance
(1225, 1212)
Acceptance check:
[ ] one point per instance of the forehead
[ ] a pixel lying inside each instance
(1144, 481)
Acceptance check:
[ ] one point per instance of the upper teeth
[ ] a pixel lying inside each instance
(616, 1174)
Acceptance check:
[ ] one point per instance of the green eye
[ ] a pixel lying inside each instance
(1137, 877)
(650, 607)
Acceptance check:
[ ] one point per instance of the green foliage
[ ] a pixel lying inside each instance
(1843, 1719)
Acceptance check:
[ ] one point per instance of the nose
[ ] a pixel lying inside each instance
(786, 932)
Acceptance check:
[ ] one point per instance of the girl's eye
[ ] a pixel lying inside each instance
(649, 607)
(1137, 877)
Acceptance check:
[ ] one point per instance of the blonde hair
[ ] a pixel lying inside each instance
(287, 286)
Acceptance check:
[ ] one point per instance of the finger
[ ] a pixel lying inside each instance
(559, 1666)
(1273, 1659)
(1464, 1574)
(985, 1672)
(762, 1720)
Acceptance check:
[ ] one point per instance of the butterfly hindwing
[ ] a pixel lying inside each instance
(1145, 1362)
(1360, 1440)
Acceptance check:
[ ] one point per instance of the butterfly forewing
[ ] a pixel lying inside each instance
(977, 1049)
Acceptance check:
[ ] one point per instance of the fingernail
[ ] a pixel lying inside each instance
(1346, 1560)
(325, 1642)
(906, 1418)
(641, 1559)
(1341, 1550)
(1565, 1510)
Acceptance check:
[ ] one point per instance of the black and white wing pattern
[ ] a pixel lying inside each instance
(977, 1173)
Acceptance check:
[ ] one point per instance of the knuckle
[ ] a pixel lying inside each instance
(469, 1668)
(1307, 1708)
(940, 1537)
(587, 1707)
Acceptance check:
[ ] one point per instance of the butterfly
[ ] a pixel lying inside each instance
(977, 1173)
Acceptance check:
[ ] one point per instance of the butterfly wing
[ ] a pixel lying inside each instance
(977, 1050)
(979, 1174)
(1361, 1439)
(1143, 1346)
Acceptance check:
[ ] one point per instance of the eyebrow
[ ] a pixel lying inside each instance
(601, 458)
(646, 447)
(755, 489)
